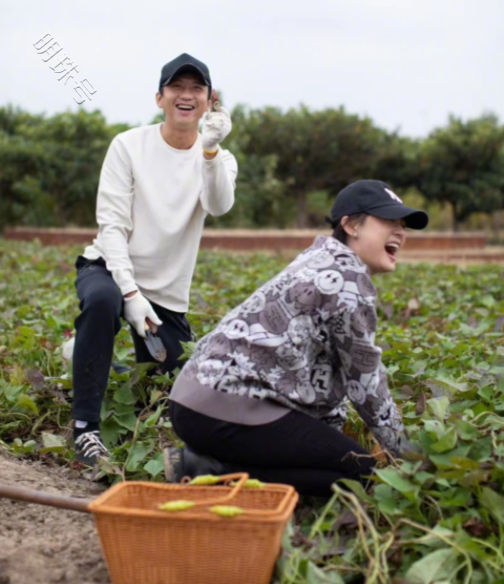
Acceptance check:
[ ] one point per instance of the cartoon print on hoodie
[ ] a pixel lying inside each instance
(306, 340)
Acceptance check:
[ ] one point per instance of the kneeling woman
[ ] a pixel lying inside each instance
(265, 392)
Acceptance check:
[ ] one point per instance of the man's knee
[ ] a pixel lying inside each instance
(105, 302)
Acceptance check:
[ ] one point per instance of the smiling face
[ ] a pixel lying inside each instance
(377, 241)
(184, 101)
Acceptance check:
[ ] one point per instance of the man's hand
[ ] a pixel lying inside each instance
(216, 127)
(137, 310)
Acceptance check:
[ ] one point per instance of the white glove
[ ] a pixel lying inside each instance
(136, 310)
(67, 350)
(216, 127)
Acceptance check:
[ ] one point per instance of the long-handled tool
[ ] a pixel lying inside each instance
(43, 498)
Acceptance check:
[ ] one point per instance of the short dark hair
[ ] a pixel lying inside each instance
(339, 232)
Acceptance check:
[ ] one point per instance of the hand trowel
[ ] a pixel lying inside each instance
(153, 343)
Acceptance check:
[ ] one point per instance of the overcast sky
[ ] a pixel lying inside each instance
(405, 63)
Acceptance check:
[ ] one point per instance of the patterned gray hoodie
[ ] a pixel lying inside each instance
(304, 340)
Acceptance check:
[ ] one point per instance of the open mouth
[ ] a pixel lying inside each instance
(184, 108)
(392, 249)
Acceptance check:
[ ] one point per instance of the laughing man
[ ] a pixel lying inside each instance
(157, 185)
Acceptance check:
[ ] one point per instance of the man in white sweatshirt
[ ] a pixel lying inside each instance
(157, 184)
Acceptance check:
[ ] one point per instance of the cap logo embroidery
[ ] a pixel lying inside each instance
(392, 195)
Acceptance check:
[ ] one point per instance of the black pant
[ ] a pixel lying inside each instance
(101, 304)
(296, 449)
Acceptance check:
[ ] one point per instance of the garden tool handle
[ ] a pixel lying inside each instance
(44, 498)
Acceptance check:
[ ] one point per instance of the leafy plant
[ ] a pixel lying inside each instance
(436, 517)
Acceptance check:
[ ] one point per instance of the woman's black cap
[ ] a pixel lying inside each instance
(375, 198)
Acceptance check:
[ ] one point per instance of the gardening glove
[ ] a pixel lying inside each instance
(136, 310)
(216, 127)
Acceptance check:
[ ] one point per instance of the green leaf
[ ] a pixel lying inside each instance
(481, 449)
(154, 467)
(26, 331)
(11, 392)
(438, 406)
(474, 478)
(465, 430)
(433, 539)
(123, 409)
(487, 393)
(138, 453)
(52, 440)
(124, 395)
(454, 497)
(444, 460)
(434, 567)
(421, 477)
(388, 506)
(435, 429)
(465, 463)
(395, 480)
(28, 447)
(315, 575)
(154, 396)
(152, 420)
(494, 503)
(110, 431)
(476, 331)
(450, 383)
(52, 443)
(447, 442)
(127, 421)
(488, 301)
(358, 489)
(122, 354)
(26, 402)
(140, 370)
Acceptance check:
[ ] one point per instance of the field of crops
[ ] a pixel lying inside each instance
(438, 517)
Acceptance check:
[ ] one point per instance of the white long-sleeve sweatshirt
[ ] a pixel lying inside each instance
(151, 206)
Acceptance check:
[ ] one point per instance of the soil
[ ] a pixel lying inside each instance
(45, 545)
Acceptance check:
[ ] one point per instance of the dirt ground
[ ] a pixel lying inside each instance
(45, 545)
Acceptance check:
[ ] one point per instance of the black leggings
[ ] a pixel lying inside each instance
(101, 305)
(296, 449)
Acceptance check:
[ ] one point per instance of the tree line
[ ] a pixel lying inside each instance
(291, 164)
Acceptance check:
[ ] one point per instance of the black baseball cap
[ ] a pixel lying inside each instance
(375, 198)
(184, 63)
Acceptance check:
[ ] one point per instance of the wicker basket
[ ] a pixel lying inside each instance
(144, 545)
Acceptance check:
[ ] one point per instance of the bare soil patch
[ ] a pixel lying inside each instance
(45, 545)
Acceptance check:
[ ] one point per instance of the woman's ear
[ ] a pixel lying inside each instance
(346, 223)
(159, 99)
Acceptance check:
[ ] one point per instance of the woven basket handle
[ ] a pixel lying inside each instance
(242, 477)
